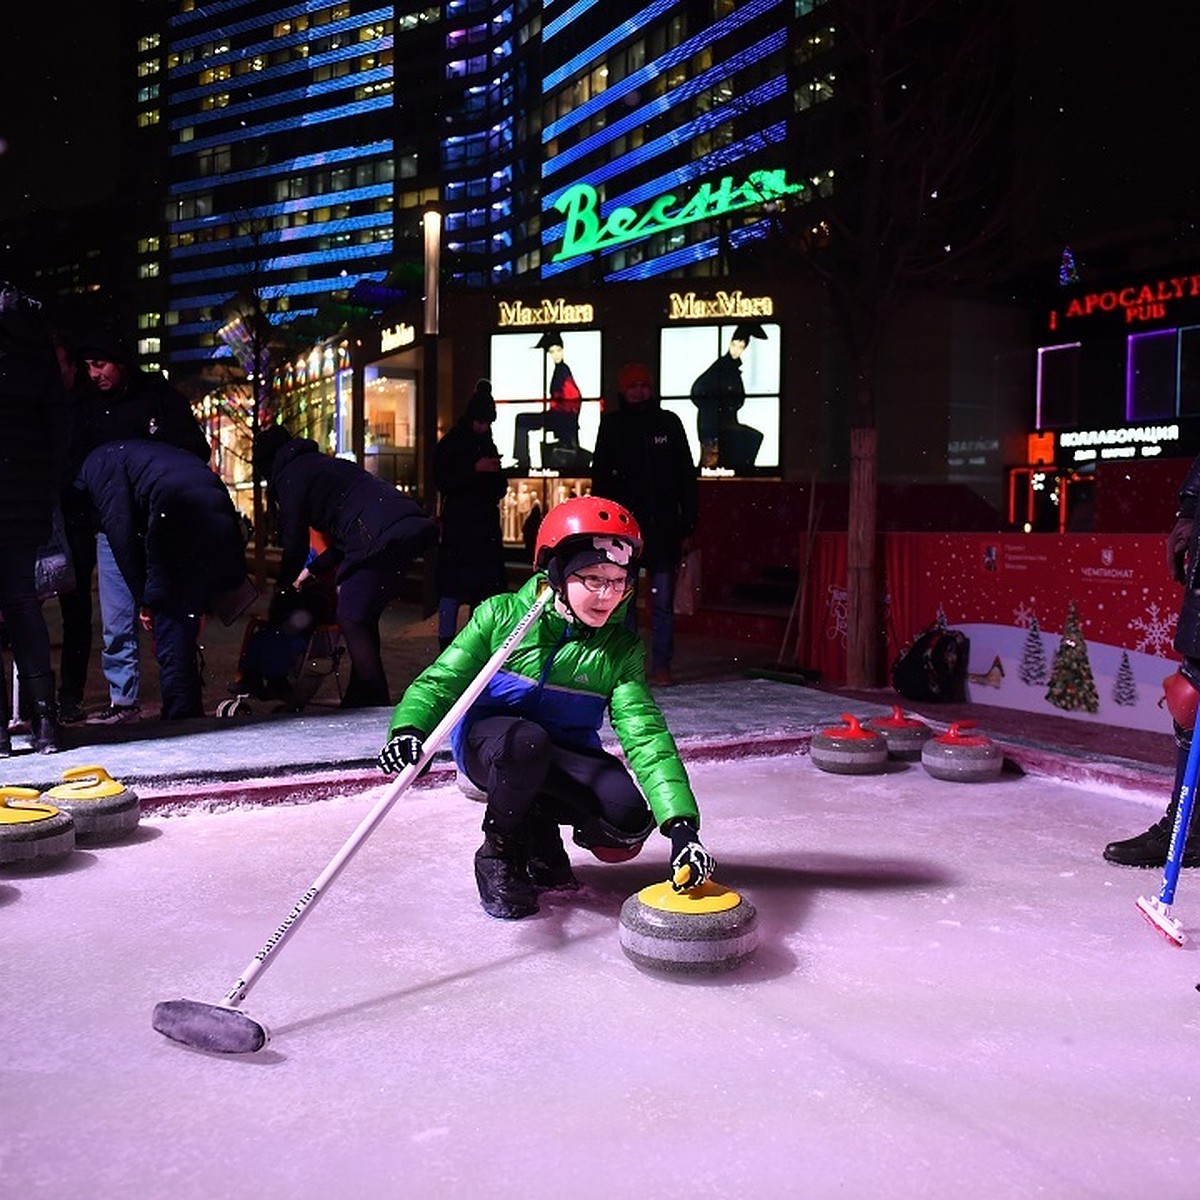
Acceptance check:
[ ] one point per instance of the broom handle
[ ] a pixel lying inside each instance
(253, 971)
(1183, 818)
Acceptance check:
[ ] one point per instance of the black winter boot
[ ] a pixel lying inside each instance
(1149, 849)
(549, 865)
(46, 734)
(500, 872)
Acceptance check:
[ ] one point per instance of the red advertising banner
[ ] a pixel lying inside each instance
(1013, 596)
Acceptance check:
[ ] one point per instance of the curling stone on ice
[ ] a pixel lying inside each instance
(962, 757)
(904, 736)
(702, 931)
(102, 808)
(30, 829)
(849, 749)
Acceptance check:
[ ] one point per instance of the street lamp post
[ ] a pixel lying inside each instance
(431, 223)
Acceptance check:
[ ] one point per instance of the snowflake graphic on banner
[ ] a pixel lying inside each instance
(1156, 631)
(1022, 615)
(838, 611)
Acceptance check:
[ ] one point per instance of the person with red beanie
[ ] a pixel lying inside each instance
(642, 461)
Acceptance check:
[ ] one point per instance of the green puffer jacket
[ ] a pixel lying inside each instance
(563, 676)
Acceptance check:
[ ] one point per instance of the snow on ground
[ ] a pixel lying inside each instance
(954, 994)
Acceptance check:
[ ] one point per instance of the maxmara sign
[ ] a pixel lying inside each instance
(586, 232)
(548, 312)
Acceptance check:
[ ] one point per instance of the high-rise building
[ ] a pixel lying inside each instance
(282, 153)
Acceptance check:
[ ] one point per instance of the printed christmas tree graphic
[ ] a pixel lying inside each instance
(1125, 686)
(1033, 657)
(1072, 687)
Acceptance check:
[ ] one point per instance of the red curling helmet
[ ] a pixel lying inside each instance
(583, 517)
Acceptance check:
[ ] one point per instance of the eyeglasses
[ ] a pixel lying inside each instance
(599, 585)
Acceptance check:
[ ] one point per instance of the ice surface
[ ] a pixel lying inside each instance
(954, 995)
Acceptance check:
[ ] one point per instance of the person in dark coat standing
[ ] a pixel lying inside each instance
(373, 532)
(466, 471)
(177, 541)
(642, 461)
(32, 450)
(123, 402)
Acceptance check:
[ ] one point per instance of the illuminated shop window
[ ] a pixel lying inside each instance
(1162, 374)
(728, 435)
(1058, 386)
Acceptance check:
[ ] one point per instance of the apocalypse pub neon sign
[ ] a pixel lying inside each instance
(586, 232)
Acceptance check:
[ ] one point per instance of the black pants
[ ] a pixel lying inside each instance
(525, 774)
(363, 594)
(23, 618)
(76, 609)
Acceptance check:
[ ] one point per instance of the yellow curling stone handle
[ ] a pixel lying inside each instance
(26, 809)
(707, 898)
(86, 783)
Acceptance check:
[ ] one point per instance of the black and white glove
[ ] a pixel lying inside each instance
(403, 749)
(691, 864)
(1178, 541)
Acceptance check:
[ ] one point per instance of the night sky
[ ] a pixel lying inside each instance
(1107, 113)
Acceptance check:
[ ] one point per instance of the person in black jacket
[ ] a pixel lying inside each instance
(1181, 691)
(643, 462)
(373, 532)
(124, 402)
(32, 447)
(177, 541)
(466, 471)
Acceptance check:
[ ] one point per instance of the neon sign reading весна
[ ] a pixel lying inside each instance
(586, 232)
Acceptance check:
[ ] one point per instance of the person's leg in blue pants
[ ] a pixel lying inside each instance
(119, 657)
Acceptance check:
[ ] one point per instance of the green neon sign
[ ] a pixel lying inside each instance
(587, 233)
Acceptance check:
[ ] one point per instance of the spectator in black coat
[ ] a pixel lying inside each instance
(123, 402)
(32, 448)
(643, 462)
(466, 471)
(177, 541)
(373, 533)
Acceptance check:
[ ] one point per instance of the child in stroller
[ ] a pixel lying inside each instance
(288, 656)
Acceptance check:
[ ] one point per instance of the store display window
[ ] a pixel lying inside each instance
(723, 382)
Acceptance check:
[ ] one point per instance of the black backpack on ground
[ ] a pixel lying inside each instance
(933, 666)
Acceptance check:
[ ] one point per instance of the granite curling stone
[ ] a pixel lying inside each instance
(102, 808)
(702, 931)
(905, 736)
(849, 749)
(962, 757)
(32, 830)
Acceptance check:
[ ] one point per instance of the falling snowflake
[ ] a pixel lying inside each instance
(1022, 615)
(1155, 632)
(839, 611)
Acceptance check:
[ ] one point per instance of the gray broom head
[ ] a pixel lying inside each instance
(209, 1027)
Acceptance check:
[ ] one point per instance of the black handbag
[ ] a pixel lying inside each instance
(53, 570)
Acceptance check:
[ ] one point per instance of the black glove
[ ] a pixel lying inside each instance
(1178, 541)
(691, 864)
(402, 750)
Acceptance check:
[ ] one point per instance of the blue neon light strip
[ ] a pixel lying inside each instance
(559, 23)
(688, 255)
(296, 234)
(286, 167)
(676, 138)
(286, 263)
(309, 119)
(662, 104)
(640, 78)
(293, 97)
(286, 207)
(573, 67)
(306, 287)
(265, 21)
